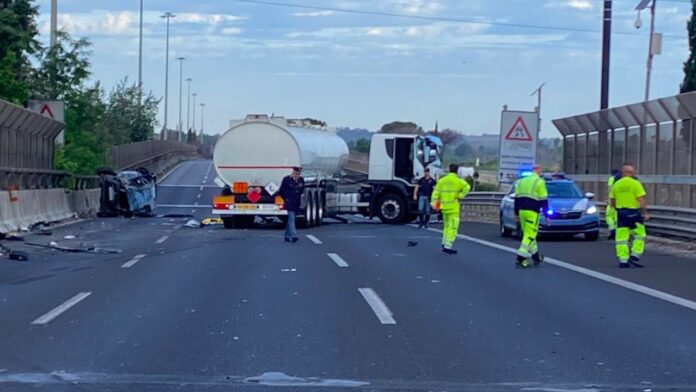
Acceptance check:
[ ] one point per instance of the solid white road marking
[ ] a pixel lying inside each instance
(184, 206)
(201, 188)
(378, 306)
(338, 260)
(132, 261)
(314, 239)
(593, 274)
(46, 318)
(162, 239)
(199, 196)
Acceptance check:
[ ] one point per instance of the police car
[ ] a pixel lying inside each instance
(570, 211)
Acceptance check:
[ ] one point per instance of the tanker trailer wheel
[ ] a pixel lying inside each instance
(391, 209)
(228, 223)
(319, 203)
(311, 210)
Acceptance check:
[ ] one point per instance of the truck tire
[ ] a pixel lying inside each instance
(244, 221)
(318, 201)
(311, 210)
(228, 223)
(391, 209)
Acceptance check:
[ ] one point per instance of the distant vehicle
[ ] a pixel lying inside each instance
(570, 211)
(254, 155)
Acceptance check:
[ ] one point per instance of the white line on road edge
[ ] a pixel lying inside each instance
(314, 239)
(593, 274)
(184, 206)
(187, 186)
(162, 239)
(46, 318)
(338, 260)
(378, 306)
(132, 261)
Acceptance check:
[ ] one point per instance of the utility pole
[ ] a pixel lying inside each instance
(606, 54)
(140, 55)
(54, 23)
(537, 92)
(188, 104)
(180, 125)
(165, 131)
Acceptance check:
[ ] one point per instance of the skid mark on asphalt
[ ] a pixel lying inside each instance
(378, 306)
(338, 260)
(588, 272)
(60, 309)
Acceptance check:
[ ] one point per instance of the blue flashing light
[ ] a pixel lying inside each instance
(549, 212)
(526, 173)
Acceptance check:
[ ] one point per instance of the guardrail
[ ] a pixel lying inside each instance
(127, 156)
(19, 179)
(672, 222)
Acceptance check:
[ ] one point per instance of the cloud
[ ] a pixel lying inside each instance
(584, 5)
(95, 23)
(231, 30)
(415, 6)
(209, 19)
(313, 13)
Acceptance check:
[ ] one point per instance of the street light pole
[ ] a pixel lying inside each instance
(193, 122)
(54, 23)
(606, 51)
(140, 55)
(180, 125)
(202, 119)
(168, 16)
(537, 92)
(188, 104)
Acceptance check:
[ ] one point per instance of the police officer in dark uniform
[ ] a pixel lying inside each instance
(291, 190)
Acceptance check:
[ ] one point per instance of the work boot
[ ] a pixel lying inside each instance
(295, 239)
(624, 264)
(522, 262)
(635, 261)
(287, 239)
(612, 235)
(538, 258)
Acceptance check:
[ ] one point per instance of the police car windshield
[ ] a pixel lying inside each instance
(563, 190)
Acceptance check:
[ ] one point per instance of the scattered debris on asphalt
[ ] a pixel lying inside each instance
(14, 238)
(211, 221)
(19, 255)
(412, 243)
(193, 224)
(69, 237)
(175, 216)
(66, 249)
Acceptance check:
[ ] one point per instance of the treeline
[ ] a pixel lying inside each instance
(94, 118)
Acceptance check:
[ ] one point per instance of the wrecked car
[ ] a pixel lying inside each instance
(127, 193)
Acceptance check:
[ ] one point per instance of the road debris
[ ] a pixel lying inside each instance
(211, 221)
(194, 224)
(19, 255)
(91, 249)
(69, 237)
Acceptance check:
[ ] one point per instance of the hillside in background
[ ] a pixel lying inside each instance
(353, 134)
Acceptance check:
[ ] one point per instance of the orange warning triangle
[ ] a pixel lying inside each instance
(45, 109)
(519, 131)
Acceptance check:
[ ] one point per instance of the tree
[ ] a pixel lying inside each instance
(689, 83)
(447, 136)
(18, 42)
(401, 127)
(127, 120)
(464, 151)
(362, 145)
(63, 69)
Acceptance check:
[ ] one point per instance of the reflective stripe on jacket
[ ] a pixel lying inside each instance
(449, 190)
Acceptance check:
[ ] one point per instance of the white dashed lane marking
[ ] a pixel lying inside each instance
(162, 239)
(132, 261)
(338, 260)
(378, 306)
(314, 239)
(60, 309)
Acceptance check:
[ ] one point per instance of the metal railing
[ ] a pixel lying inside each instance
(671, 222)
(20, 179)
(132, 155)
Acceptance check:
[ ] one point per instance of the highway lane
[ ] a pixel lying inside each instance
(205, 308)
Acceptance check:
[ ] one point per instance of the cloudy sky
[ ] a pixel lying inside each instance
(453, 61)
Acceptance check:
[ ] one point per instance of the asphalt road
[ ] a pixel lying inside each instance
(353, 306)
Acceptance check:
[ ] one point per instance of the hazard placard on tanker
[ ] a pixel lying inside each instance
(518, 141)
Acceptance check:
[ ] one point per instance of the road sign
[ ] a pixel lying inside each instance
(51, 109)
(518, 143)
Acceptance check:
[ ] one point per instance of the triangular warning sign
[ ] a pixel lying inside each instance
(47, 110)
(519, 131)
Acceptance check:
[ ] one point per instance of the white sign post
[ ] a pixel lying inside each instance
(51, 109)
(518, 143)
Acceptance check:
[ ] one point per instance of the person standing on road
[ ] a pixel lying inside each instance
(448, 191)
(531, 199)
(628, 198)
(422, 193)
(291, 190)
(610, 212)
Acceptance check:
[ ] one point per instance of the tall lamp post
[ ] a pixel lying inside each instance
(606, 51)
(202, 119)
(188, 104)
(165, 131)
(655, 45)
(193, 121)
(180, 125)
(140, 55)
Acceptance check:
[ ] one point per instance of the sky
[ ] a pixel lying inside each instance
(454, 62)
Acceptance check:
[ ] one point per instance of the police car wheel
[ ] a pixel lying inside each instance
(504, 231)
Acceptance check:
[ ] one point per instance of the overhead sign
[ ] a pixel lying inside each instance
(518, 144)
(51, 109)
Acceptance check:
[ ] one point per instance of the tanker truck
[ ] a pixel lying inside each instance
(254, 155)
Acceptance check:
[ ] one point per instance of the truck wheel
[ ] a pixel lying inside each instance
(391, 209)
(320, 208)
(244, 221)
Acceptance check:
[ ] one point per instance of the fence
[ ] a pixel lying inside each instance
(139, 154)
(666, 221)
(656, 136)
(26, 138)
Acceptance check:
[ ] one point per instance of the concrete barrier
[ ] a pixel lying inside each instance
(28, 207)
(84, 203)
